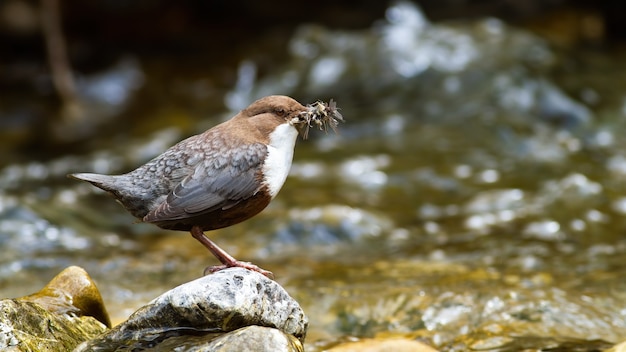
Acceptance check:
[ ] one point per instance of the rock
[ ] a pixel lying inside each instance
(250, 338)
(255, 338)
(383, 345)
(620, 347)
(66, 312)
(72, 292)
(212, 305)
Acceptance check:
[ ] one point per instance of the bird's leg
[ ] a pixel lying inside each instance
(226, 259)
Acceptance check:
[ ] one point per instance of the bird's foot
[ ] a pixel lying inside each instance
(227, 260)
(237, 264)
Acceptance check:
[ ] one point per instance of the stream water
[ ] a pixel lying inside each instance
(474, 198)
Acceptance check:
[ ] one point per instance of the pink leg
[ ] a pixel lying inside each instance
(226, 259)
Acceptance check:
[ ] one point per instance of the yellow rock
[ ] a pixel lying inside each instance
(72, 291)
(620, 347)
(66, 312)
(384, 345)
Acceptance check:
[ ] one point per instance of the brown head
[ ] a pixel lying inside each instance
(268, 112)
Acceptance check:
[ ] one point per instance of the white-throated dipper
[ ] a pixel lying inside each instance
(221, 177)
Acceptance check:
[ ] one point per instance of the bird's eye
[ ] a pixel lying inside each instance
(280, 112)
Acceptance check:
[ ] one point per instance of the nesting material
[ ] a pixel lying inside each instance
(321, 115)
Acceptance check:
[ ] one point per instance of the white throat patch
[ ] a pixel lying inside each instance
(279, 157)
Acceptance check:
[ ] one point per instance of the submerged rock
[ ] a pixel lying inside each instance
(209, 307)
(383, 345)
(67, 311)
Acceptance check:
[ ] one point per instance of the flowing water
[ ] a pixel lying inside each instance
(474, 198)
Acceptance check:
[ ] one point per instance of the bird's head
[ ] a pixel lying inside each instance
(274, 110)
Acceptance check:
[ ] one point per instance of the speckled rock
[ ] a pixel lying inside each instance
(209, 306)
(66, 312)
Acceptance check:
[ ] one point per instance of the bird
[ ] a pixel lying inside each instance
(221, 177)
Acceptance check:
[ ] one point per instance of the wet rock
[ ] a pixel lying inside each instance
(383, 345)
(251, 338)
(72, 292)
(64, 313)
(620, 347)
(487, 342)
(209, 307)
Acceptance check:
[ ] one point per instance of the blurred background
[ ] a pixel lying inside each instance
(474, 198)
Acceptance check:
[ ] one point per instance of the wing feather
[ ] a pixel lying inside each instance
(213, 184)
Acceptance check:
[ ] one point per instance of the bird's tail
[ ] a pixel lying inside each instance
(105, 182)
(135, 200)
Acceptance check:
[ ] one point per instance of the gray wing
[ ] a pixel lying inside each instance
(218, 182)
